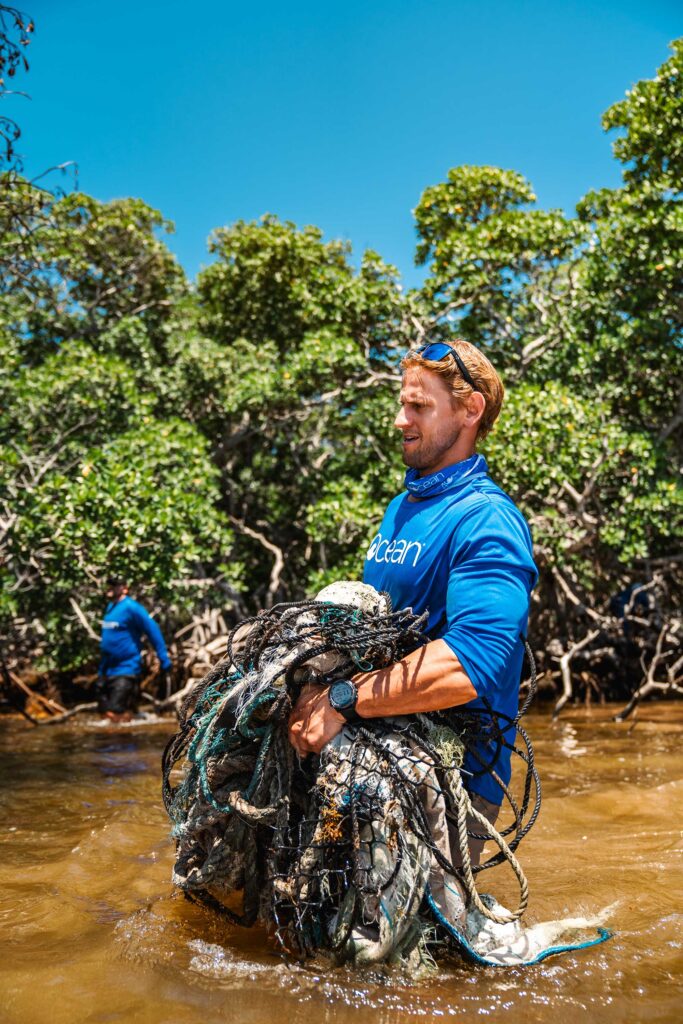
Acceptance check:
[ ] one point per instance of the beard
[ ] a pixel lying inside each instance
(426, 455)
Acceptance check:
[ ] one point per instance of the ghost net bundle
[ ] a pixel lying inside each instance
(362, 852)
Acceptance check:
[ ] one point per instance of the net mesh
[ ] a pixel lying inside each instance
(345, 853)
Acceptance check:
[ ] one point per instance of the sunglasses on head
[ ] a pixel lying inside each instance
(438, 350)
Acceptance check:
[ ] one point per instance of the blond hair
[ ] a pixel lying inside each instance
(480, 370)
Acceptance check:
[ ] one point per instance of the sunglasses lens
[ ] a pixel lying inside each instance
(438, 350)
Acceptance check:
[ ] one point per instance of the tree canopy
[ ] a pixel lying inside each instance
(228, 442)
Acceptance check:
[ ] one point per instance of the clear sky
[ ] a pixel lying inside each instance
(326, 113)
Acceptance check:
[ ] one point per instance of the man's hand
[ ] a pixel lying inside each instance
(313, 722)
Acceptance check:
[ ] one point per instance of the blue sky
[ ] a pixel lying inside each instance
(331, 114)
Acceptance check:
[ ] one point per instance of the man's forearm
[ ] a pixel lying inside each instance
(429, 679)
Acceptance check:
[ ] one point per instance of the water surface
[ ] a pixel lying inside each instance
(92, 931)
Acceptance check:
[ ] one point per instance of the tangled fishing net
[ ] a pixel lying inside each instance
(360, 853)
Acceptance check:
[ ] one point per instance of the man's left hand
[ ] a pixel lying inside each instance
(313, 722)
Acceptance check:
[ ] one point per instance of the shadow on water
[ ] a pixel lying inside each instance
(93, 931)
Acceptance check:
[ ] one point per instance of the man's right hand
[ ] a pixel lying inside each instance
(313, 722)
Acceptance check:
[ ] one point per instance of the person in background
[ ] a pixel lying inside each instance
(124, 625)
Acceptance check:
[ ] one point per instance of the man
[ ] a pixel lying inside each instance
(124, 624)
(452, 544)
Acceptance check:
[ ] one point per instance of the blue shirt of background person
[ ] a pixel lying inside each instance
(464, 556)
(124, 625)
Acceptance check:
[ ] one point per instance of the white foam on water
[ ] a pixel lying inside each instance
(140, 719)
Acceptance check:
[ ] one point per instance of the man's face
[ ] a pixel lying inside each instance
(116, 591)
(429, 422)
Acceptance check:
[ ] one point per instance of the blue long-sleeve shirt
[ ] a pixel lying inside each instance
(465, 557)
(123, 627)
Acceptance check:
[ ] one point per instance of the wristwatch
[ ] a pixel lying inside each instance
(342, 696)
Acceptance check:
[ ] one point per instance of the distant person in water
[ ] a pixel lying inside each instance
(124, 625)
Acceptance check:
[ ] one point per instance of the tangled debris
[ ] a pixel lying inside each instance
(360, 853)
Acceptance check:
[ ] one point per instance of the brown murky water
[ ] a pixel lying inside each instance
(91, 931)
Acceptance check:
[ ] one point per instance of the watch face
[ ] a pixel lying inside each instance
(342, 694)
